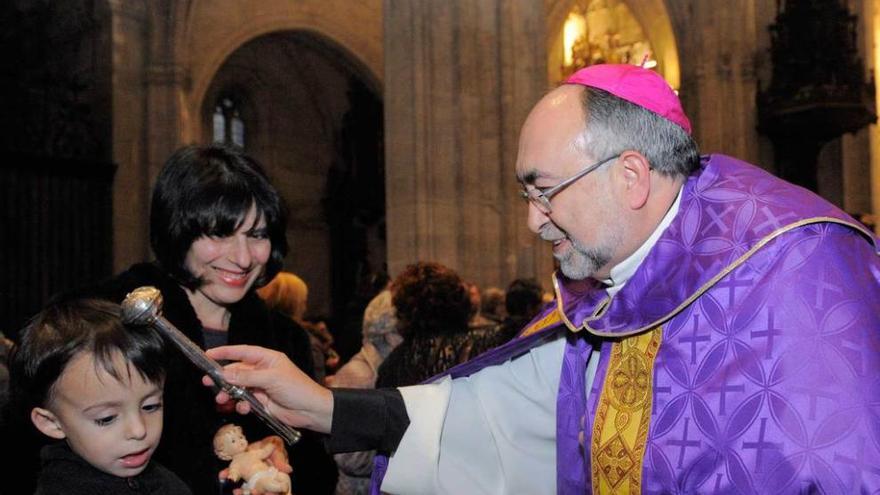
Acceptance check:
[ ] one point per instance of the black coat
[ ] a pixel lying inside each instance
(65, 473)
(191, 415)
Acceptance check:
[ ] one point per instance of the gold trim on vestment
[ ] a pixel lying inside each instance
(552, 318)
(559, 305)
(620, 426)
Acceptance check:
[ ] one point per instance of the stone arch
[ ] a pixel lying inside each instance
(312, 114)
(353, 28)
(655, 20)
(167, 55)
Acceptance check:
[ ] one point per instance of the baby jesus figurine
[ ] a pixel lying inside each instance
(252, 463)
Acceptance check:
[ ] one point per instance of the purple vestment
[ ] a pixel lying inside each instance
(758, 316)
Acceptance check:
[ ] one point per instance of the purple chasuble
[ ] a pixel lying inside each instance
(767, 378)
(571, 404)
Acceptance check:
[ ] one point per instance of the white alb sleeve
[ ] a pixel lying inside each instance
(492, 432)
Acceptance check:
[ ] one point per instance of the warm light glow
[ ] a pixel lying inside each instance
(606, 31)
(575, 27)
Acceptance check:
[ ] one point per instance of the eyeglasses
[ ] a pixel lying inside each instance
(541, 198)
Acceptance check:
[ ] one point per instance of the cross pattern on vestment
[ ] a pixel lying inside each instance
(773, 221)
(722, 392)
(821, 286)
(814, 396)
(657, 390)
(684, 443)
(694, 339)
(738, 184)
(716, 219)
(768, 333)
(760, 445)
(731, 283)
(616, 460)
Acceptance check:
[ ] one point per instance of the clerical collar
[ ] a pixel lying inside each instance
(622, 272)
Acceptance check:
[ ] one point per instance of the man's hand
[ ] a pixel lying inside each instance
(288, 393)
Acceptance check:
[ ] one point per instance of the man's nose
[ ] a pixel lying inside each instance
(536, 218)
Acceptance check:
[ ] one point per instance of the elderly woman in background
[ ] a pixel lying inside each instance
(380, 338)
(289, 294)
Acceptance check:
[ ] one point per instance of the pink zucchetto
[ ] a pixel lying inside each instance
(636, 85)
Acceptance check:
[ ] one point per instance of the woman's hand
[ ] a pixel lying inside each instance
(288, 393)
(278, 457)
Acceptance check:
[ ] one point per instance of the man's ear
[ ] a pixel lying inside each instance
(46, 421)
(636, 175)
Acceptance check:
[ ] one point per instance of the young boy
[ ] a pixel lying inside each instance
(83, 377)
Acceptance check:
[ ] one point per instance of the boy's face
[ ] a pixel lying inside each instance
(113, 425)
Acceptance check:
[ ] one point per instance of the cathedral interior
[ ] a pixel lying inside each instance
(389, 126)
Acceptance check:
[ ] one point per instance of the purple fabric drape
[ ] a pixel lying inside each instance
(571, 407)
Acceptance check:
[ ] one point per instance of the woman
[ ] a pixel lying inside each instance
(433, 309)
(217, 229)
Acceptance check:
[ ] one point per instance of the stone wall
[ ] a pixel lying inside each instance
(457, 78)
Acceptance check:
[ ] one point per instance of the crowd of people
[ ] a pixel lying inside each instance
(461, 390)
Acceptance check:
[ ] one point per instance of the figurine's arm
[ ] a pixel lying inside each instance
(233, 473)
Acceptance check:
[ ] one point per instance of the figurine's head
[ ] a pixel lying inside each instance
(229, 441)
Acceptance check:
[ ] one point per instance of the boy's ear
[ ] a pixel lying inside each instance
(47, 422)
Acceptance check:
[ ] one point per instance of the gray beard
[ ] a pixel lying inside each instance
(581, 262)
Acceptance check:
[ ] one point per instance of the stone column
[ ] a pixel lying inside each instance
(872, 12)
(165, 85)
(148, 85)
(460, 78)
(723, 48)
(862, 181)
(857, 152)
(131, 194)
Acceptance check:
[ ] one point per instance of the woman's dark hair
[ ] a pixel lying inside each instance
(208, 190)
(430, 299)
(70, 327)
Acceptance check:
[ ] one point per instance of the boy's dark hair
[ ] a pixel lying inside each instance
(208, 190)
(66, 328)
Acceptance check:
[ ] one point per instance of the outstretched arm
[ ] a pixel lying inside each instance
(288, 393)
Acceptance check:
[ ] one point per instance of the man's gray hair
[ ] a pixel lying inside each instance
(615, 125)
